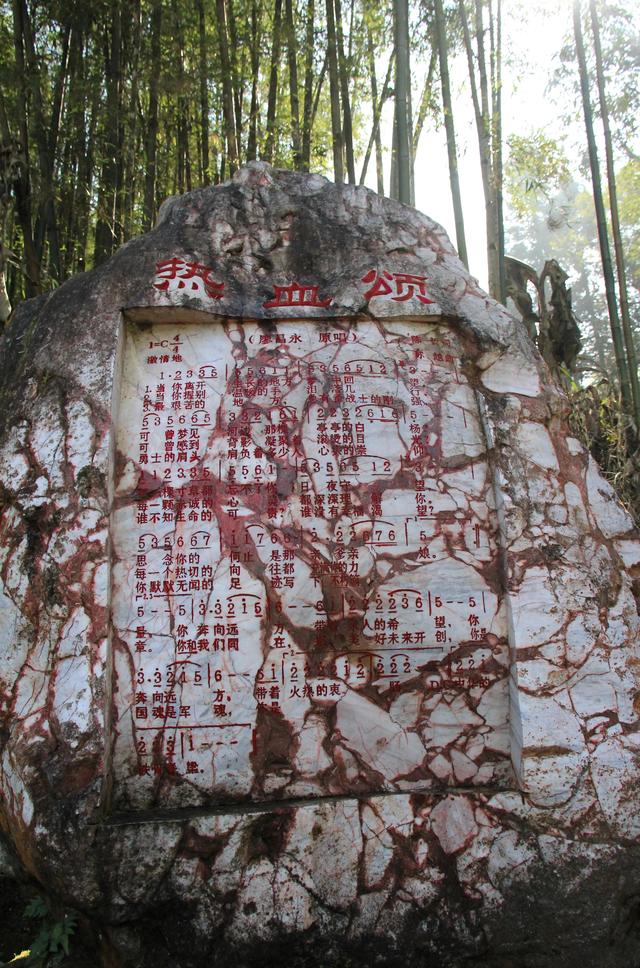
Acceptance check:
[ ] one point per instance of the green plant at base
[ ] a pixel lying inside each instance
(51, 945)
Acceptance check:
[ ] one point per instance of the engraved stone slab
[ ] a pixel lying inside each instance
(304, 589)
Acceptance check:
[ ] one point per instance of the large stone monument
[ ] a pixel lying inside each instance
(318, 634)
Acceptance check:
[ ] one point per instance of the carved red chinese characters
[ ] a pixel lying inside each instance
(405, 286)
(296, 294)
(176, 273)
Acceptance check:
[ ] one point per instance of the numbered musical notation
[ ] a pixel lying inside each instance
(294, 519)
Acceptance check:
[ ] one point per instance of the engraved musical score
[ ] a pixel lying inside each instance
(304, 563)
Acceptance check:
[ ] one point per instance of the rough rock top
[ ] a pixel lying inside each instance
(266, 226)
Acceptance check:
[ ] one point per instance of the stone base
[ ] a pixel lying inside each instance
(438, 882)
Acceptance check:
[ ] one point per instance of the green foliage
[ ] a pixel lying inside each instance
(51, 944)
(598, 420)
(628, 184)
(537, 166)
(620, 35)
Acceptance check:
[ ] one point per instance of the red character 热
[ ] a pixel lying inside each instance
(179, 272)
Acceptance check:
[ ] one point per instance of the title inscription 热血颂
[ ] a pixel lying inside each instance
(305, 598)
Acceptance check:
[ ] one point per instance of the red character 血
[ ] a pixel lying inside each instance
(296, 295)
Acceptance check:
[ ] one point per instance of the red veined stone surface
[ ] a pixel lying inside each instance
(319, 631)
